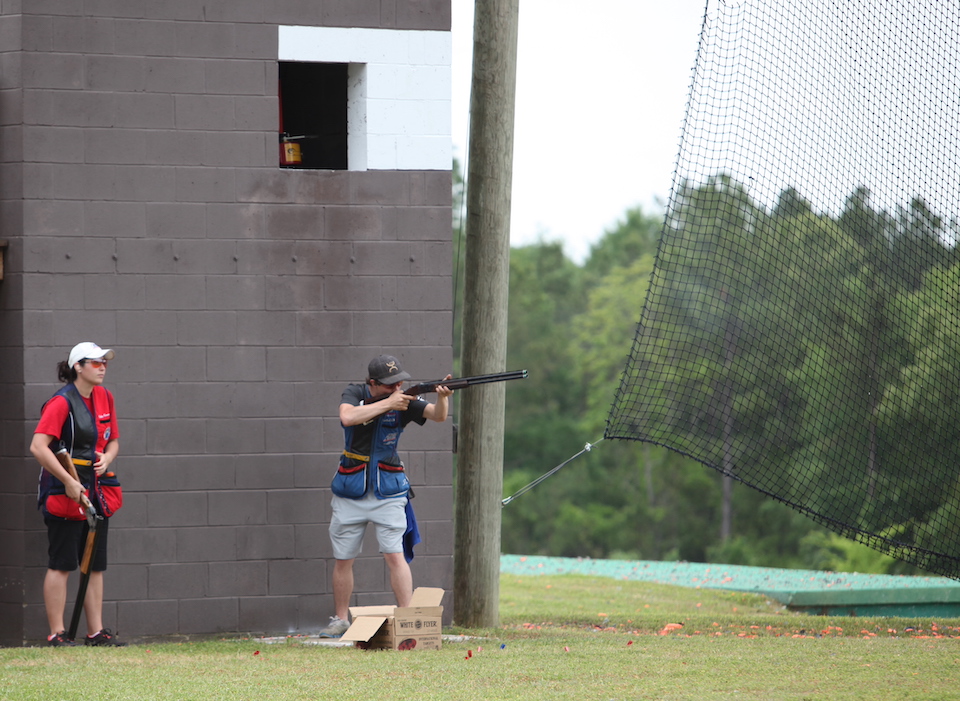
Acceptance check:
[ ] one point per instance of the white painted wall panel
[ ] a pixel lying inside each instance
(400, 100)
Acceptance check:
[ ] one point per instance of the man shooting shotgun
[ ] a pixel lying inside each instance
(370, 485)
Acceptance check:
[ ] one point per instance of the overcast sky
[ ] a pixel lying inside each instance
(601, 92)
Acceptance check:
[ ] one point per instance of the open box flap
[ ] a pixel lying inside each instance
(426, 596)
(363, 628)
(356, 611)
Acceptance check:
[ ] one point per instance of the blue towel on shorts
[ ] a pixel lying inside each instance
(412, 535)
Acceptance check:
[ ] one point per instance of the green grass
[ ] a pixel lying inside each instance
(563, 637)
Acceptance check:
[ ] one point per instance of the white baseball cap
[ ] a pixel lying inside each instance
(85, 350)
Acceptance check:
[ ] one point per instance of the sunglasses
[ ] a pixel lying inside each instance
(96, 363)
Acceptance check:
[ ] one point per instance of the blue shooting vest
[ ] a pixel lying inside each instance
(370, 460)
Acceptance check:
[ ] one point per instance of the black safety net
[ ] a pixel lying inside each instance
(801, 332)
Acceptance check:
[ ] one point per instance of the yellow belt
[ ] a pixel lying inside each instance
(361, 458)
(84, 463)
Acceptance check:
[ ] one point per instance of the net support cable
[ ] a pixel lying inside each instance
(523, 490)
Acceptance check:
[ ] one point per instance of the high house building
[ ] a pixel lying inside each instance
(247, 200)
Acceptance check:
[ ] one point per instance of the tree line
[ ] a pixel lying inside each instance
(573, 325)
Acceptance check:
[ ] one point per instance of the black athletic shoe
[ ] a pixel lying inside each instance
(103, 638)
(60, 640)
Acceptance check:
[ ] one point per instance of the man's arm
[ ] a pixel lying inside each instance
(438, 410)
(351, 415)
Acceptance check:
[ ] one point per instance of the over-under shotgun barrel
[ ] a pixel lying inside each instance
(458, 383)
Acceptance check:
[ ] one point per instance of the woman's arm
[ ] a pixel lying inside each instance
(106, 457)
(40, 448)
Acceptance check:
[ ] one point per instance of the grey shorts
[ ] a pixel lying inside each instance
(350, 519)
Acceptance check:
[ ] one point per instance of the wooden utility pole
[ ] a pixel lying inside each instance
(476, 573)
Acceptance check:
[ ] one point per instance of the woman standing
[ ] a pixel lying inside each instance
(81, 420)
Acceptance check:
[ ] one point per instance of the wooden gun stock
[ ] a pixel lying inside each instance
(63, 455)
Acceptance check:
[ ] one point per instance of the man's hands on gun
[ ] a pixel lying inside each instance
(399, 400)
(443, 390)
(438, 410)
(386, 398)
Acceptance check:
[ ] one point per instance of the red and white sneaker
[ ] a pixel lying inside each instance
(60, 640)
(104, 638)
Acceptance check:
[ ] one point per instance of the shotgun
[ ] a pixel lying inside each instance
(456, 383)
(63, 455)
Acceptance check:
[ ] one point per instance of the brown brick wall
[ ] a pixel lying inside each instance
(145, 211)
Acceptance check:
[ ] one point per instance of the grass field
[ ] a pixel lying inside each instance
(561, 637)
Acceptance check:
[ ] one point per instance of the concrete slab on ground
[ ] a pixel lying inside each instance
(827, 593)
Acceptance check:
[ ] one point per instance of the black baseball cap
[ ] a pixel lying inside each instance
(386, 370)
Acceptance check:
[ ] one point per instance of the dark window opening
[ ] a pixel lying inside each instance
(313, 115)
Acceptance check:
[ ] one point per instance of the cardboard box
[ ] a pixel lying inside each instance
(413, 627)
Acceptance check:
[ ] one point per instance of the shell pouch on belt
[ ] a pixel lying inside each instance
(110, 494)
(391, 480)
(350, 481)
(62, 506)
